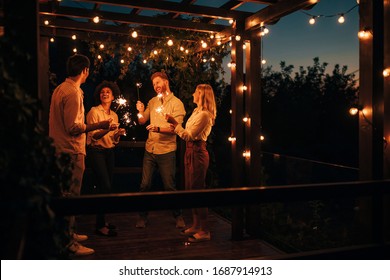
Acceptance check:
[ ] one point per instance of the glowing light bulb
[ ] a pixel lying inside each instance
(386, 72)
(170, 42)
(238, 37)
(230, 111)
(244, 46)
(75, 50)
(262, 137)
(145, 61)
(244, 87)
(231, 21)
(231, 139)
(246, 154)
(134, 34)
(212, 59)
(204, 45)
(312, 20)
(155, 52)
(46, 22)
(245, 119)
(52, 39)
(182, 49)
(353, 111)
(122, 61)
(74, 37)
(341, 19)
(101, 46)
(129, 49)
(96, 19)
(99, 56)
(363, 34)
(263, 61)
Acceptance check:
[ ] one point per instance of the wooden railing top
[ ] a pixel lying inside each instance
(129, 202)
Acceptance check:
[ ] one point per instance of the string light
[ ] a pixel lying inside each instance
(170, 42)
(365, 33)
(52, 39)
(386, 72)
(74, 37)
(246, 154)
(129, 49)
(134, 34)
(96, 19)
(46, 22)
(101, 46)
(232, 139)
(341, 16)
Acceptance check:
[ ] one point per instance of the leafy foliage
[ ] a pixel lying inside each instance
(311, 105)
(30, 173)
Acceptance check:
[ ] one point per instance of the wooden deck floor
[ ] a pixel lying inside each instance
(161, 240)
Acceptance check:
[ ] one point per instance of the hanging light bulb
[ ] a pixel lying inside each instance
(246, 154)
(262, 137)
(312, 20)
(122, 61)
(74, 37)
(52, 39)
(341, 19)
(99, 56)
(170, 42)
(134, 34)
(46, 22)
(238, 38)
(182, 49)
(155, 52)
(204, 45)
(364, 34)
(129, 49)
(386, 72)
(101, 46)
(263, 61)
(96, 19)
(231, 21)
(232, 138)
(75, 50)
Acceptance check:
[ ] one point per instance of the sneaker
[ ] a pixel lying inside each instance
(79, 237)
(180, 222)
(141, 223)
(79, 250)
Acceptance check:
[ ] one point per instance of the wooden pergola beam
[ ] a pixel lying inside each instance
(128, 19)
(274, 12)
(173, 7)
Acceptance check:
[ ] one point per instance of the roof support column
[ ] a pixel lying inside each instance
(237, 101)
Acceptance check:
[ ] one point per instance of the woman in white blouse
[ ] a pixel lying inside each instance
(196, 161)
(101, 144)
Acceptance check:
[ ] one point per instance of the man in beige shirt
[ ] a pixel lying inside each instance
(68, 130)
(160, 147)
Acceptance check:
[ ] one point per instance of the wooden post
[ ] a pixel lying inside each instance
(237, 98)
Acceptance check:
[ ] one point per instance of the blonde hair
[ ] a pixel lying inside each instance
(207, 100)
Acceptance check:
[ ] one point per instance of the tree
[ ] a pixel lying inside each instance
(306, 114)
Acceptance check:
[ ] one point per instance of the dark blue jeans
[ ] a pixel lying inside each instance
(166, 163)
(102, 162)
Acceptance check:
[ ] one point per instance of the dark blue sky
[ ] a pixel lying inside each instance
(293, 40)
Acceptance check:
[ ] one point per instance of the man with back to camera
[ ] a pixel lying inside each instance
(68, 130)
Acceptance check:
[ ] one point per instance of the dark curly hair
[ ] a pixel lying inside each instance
(111, 85)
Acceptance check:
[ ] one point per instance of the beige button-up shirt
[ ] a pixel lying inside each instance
(162, 143)
(95, 115)
(66, 118)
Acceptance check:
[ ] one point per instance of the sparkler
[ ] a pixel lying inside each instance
(139, 85)
(120, 101)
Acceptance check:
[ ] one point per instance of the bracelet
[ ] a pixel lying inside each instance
(158, 129)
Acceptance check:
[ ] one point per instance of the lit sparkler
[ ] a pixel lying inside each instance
(120, 101)
(139, 85)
